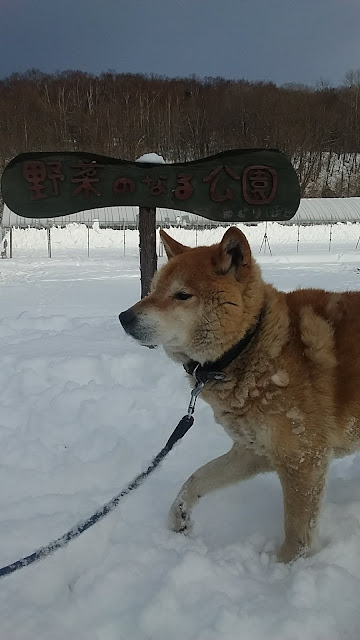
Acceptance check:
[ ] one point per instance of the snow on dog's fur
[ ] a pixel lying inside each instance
(290, 402)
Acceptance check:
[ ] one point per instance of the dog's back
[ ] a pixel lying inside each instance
(329, 325)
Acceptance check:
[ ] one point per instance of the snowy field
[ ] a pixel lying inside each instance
(83, 409)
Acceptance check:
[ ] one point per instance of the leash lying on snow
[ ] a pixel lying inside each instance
(210, 371)
(184, 425)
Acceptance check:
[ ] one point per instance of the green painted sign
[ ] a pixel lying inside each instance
(242, 185)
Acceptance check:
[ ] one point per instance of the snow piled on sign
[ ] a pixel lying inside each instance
(83, 409)
(151, 158)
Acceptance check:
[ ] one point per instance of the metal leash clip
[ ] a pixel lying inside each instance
(194, 394)
(200, 384)
(216, 375)
(201, 375)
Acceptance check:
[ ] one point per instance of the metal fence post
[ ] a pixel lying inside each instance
(161, 247)
(298, 238)
(49, 241)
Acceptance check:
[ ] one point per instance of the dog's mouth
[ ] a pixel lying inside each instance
(131, 325)
(143, 340)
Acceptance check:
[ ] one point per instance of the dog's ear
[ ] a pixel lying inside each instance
(172, 247)
(234, 252)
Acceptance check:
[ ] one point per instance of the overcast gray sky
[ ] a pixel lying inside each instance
(284, 41)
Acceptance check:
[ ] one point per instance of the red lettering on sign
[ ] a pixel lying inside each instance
(156, 188)
(86, 177)
(213, 177)
(123, 185)
(36, 171)
(185, 189)
(259, 184)
(54, 173)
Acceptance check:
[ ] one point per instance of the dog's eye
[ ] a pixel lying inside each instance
(181, 295)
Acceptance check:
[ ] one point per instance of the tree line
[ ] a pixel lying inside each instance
(126, 115)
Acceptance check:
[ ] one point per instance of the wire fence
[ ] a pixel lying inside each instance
(92, 241)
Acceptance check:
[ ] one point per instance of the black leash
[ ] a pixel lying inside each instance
(180, 430)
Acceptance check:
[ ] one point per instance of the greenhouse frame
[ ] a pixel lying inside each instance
(311, 211)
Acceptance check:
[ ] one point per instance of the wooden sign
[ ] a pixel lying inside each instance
(242, 185)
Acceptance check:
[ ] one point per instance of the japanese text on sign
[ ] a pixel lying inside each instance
(257, 185)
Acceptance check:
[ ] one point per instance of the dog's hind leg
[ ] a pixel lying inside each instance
(235, 465)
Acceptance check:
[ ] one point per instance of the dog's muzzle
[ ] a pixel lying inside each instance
(130, 322)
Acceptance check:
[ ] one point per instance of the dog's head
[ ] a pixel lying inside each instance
(201, 302)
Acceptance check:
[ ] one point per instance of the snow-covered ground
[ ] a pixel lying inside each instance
(83, 409)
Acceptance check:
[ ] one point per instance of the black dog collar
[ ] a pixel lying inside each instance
(215, 370)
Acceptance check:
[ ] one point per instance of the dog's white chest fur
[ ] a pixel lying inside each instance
(242, 413)
(253, 434)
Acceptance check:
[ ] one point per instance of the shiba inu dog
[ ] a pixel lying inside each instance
(289, 393)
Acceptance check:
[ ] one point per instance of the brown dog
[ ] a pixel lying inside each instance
(290, 399)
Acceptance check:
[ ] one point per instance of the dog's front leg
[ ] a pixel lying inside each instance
(238, 464)
(303, 487)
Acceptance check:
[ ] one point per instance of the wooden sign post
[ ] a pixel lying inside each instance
(147, 246)
(242, 185)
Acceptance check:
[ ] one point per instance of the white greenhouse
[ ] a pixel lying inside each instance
(311, 211)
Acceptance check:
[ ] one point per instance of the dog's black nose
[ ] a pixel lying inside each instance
(127, 318)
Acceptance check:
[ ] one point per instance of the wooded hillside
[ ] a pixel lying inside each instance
(127, 115)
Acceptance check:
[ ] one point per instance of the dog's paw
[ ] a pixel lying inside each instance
(179, 518)
(288, 553)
